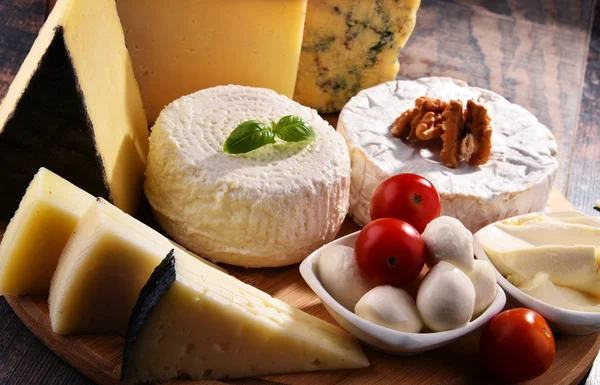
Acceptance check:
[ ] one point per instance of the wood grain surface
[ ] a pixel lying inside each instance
(99, 357)
(532, 51)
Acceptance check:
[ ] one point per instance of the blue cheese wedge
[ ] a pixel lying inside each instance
(516, 180)
(269, 207)
(350, 45)
(208, 325)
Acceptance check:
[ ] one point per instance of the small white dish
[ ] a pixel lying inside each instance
(561, 320)
(379, 337)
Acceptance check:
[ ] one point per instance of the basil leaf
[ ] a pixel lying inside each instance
(293, 128)
(248, 136)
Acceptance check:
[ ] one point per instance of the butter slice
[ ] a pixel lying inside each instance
(208, 324)
(564, 297)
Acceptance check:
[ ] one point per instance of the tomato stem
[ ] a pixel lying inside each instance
(392, 261)
(416, 198)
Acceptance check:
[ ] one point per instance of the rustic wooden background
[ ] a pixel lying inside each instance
(542, 54)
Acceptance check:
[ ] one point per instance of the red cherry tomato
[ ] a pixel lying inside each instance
(390, 252)
(408, 197)
(517, 345)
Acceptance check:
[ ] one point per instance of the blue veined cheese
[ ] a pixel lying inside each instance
(350, 45)
(270, 207)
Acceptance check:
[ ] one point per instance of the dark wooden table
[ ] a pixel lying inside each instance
(542, 54)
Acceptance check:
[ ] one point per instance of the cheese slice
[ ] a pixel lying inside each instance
(38, 232)
(75, 108)
(40, 229)
(350, 45)
(182, 46)
(208, 325)
(270, 207)
(516, 180)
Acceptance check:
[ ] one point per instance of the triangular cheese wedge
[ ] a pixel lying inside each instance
(40, 229)
(75, 108)
(208, 324)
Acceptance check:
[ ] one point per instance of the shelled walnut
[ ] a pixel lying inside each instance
(466, 134)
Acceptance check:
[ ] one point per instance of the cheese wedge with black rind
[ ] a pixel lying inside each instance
(159, 282)
(238, 329)
(75, 108)
(40, 229)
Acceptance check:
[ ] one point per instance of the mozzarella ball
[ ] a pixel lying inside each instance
(483, 278)
(390, 307)
(447, 239)
(446, 298)
(340, 276)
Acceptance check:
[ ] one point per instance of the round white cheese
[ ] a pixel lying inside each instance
(269, 207)
(516, 180)
(391, 307)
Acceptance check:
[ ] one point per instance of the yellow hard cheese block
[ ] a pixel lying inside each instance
(38, 232)
(75, 108)
(350, 45)
(40, 229)
(181, 46)
(208, 324)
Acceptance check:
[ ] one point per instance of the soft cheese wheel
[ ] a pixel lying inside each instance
(269, 207)
(516, 180)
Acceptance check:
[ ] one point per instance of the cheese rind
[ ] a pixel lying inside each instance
(38, 232)
(75, 108)
(181, 46)
(516, 180)
(270, 207)
(350, 45)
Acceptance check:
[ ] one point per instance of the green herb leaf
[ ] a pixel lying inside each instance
(248, 136)
(293, 128)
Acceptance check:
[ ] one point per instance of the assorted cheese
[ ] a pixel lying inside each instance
(75, 108)
(350, 45)
(40, 229)
(517, 179)
(181, 46)
(269, 207)
(551, 256)
(37, 234)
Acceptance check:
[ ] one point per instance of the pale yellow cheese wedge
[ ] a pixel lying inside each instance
(40, 229)
(38, 232)
(542, 288)
(181, 46)
(75, 108)
(208, 325)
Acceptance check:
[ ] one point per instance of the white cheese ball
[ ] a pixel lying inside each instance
(446, 298)
(483, 278)
(391, 307)
(340, 276)
(446, 239)
(270, 207)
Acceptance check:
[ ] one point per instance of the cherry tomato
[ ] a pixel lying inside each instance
(517, 345)
(408, 197)
(390, 252)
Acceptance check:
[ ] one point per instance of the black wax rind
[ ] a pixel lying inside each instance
(50, 127)
(159, 282)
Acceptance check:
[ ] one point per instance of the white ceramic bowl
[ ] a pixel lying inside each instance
(379, 337)
(560, 320)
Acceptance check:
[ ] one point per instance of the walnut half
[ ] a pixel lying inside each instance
(466, 134)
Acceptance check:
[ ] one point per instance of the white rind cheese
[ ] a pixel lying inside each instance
(516, 180)
(270, 207)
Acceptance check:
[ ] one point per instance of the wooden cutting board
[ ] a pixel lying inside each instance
(99, 357)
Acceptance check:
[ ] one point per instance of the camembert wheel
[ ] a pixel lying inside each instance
(516, 179)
